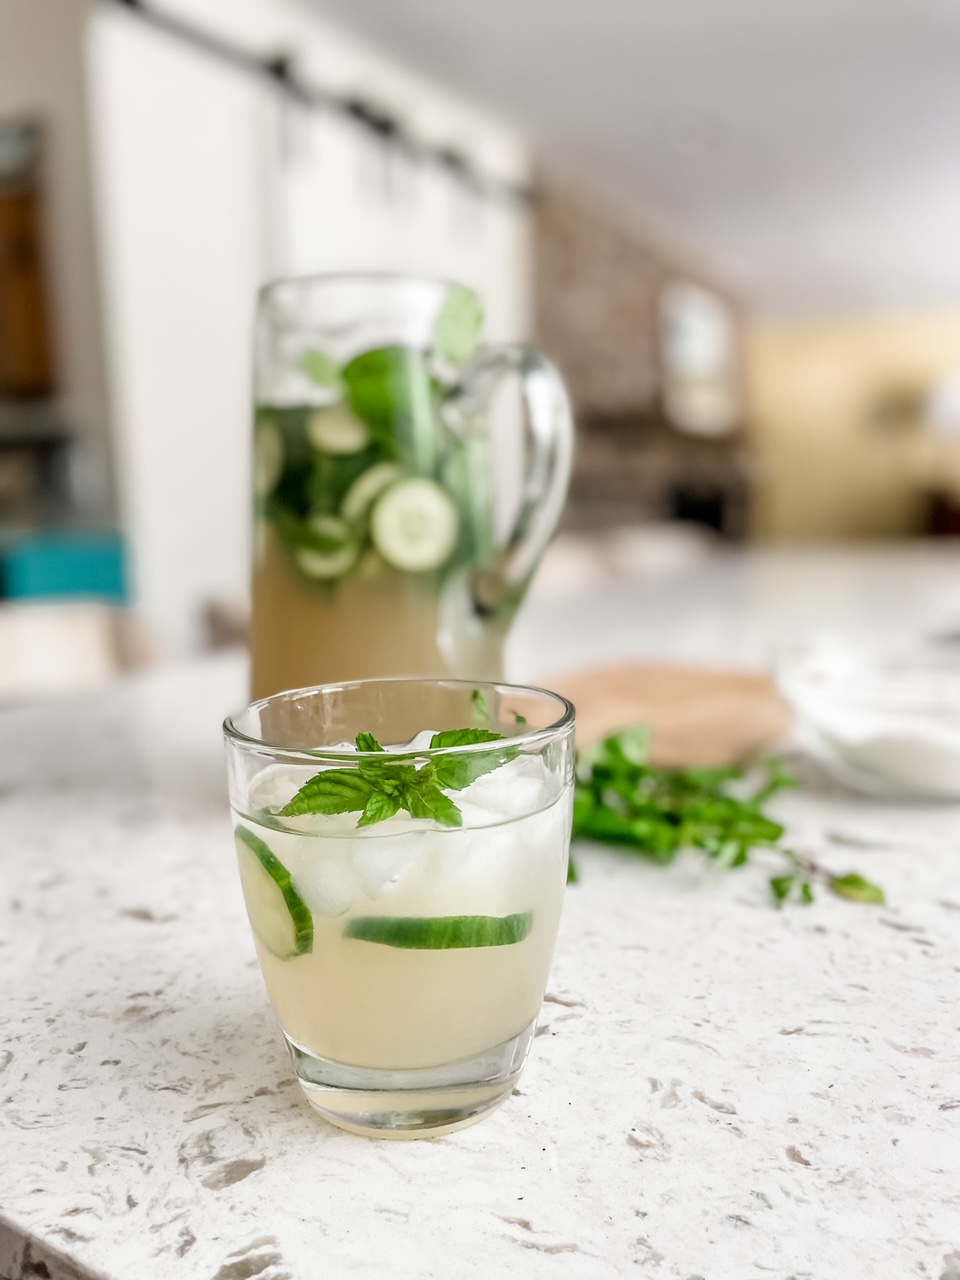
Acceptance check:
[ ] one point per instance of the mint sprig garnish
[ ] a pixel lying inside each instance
(378, 789)
(620, 798)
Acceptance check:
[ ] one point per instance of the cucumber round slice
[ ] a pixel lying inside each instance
(365, 490)
(441, 933)
(267, 458)
(414, 525)
(329, 548)
(278, 915)
(337, 430)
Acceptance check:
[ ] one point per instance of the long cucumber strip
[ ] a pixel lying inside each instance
(440, 933)
(278, 915)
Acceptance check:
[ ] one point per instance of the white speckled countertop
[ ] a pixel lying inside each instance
(717, 1090)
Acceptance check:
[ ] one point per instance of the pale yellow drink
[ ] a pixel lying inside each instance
(368, 1004)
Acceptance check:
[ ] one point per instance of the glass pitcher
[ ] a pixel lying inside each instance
(376, 549)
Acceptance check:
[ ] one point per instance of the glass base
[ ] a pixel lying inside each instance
(421, 1103)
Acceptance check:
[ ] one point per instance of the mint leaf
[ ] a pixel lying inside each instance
(856, 889)
(634, 745)
(806, 892)
(379, 807)
(478, 702)
(332, 791)
(391, 390)
(455, 772)
(621, 753)
(426, 800)
(518, 719)
(459, 324)
(389, 776)
(463, 737)
(320, 369)
(367, 742)
(782, 887)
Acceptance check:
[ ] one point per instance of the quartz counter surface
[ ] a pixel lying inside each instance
(717, 1089)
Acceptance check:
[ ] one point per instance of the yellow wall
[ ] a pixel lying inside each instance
(825, 469)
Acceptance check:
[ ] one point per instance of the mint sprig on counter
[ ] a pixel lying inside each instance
(378, 789)
(622, 799)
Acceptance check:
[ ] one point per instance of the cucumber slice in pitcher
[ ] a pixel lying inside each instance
(414, 525)
(365, 490)
(278, 915)
(337, 430)
(327, 549)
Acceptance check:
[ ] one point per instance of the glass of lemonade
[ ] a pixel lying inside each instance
(403, 847)
(402, 500)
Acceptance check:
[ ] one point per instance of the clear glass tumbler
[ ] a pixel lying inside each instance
(403, 852)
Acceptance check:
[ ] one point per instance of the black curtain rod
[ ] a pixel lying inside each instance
(279, 72)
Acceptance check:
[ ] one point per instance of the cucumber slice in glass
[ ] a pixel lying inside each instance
(414, 525)
(278, 915)
(337, 430)
(441, 933)
(367, 487)
(268, 454)
(327, 548)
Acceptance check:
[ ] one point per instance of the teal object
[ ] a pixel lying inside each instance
(83, 563)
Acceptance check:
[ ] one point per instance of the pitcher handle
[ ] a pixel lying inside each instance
(548, 425)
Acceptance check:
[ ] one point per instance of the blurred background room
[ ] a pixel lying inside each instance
(733, 227)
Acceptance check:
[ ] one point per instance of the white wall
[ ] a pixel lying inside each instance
(342, 203)
(178, 193)
(42, 76)
(207, 184)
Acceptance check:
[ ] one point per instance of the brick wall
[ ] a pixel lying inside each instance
(597, 283)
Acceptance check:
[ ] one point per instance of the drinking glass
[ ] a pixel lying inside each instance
(383, 545)
(403, 850)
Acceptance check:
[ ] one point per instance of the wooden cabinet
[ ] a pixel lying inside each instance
(26, 356)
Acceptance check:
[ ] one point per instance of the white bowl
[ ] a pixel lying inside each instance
(885, 720)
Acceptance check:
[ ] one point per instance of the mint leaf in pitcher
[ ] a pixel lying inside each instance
(320, 369)
(390, 389)
(458, 328)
